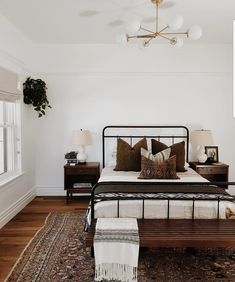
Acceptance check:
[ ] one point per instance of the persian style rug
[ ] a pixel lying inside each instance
(58, 253)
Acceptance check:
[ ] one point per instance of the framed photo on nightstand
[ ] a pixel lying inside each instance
(212, 154)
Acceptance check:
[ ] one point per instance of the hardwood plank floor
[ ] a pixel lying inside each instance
(17, 233)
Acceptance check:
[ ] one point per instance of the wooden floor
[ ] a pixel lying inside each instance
(15, 235)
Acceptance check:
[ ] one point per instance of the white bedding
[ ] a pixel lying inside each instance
(158, 208)
(108, 174)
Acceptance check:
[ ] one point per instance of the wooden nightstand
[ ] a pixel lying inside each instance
(212, 172)
(81, 173)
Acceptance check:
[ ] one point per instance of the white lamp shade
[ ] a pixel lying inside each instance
(195, 32)
(81, 137)
(122, 38)
(201, 138)
(140, 44)
(133, 26)
(176, 23)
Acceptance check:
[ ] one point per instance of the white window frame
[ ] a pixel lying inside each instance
(12, 153)
(234, 68)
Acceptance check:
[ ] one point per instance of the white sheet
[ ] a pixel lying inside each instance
(108, 174)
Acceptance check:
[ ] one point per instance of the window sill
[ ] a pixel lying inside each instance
(10, 177)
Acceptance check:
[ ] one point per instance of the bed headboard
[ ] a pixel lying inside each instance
(168, 134)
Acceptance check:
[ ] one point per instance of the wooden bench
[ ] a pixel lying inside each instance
(180, 233)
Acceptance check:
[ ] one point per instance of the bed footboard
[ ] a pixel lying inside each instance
(187, 191)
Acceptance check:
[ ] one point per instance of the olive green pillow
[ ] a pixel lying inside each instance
(129, 158)
(177, 149)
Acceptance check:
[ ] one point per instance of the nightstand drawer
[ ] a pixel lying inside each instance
(212, 170)
(81, 171)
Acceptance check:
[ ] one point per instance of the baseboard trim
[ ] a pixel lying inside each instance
(231, 191)
(16, 207)
(50, 191)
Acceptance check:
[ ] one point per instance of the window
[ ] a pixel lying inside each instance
(10, 161)
(234, 68)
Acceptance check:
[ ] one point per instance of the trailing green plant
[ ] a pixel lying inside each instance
(34, 91)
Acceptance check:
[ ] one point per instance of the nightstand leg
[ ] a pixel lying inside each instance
(92, 252)
(67, 197)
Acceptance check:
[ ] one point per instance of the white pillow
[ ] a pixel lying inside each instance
(159, 157)
(113, 159)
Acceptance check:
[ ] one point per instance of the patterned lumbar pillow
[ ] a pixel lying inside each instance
(154, 170)
(159, 157)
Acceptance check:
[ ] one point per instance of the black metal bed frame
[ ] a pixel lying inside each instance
(185, 136)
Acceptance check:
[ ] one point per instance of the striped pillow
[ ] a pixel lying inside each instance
(177, 149)
(159, 157)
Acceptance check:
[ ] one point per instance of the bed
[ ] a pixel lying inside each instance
(184, 212)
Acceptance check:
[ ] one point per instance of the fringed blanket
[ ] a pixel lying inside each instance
(116, 246)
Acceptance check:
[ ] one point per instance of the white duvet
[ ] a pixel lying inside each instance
(158, 208)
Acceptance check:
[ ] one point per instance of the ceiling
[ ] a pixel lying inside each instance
(100, 21)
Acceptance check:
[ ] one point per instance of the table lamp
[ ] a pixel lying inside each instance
(81, 138)
(201, 138)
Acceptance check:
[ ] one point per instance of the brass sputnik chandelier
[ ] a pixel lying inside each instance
(174, 38)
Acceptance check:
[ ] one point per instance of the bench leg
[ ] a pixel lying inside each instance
(92, 252)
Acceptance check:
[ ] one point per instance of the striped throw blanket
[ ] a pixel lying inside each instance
(116, 246)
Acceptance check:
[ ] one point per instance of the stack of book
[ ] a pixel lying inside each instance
(72, 161)
(82, 185)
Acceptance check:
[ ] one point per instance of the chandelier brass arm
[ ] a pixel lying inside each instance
(164, 29)
(144, 29)
(175, 33)
(165, 37)
(142, 36)
(155, 34)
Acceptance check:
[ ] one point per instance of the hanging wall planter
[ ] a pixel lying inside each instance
(34, 91)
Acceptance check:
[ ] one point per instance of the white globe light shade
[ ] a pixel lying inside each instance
(122, 38)
(180, 42)
(176, 23)
(195, 32)
(133, 26)
(177, 42)
(140, 44)
(146, 44)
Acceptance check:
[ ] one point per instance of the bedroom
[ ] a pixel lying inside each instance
(93, 82)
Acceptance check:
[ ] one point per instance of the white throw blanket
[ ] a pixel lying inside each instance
(116, 246)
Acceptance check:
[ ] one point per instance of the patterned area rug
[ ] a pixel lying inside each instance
(58, 253)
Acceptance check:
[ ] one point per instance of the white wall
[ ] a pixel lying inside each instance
(14, 48)
(90, 86)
